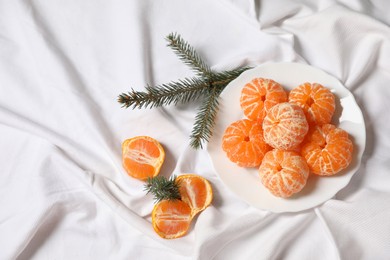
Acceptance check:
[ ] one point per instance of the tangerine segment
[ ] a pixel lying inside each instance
(259, 95)
(327, 150)
(285, 126)
(171, 219)
(317, 101)
(196, 191)
(142, 157)
(244, 144)
(283, 173)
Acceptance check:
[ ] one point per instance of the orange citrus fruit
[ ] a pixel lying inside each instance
(244, 144)
(283, 173)
(285, 126)
(317, 101)
(327, 150)
(142, 157)
(171, 218)
(196, 191)
(259, 95)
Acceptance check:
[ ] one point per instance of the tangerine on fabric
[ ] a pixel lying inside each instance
(142, 157)
(283, 173)
(196, 191)
(317, 102)
(259, 95)
(244, 144)
(171, 218)
(327, 150)
(285, 126)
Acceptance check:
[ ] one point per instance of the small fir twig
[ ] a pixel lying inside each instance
(182, 91)
(188, 55)
(163, 188)
(208, 85)
(205, 119)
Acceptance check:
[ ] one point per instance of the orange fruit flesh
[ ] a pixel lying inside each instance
(142, 157)
(317, 102)
(259, 95)
(327, 150)
(283, 173)
(244, 144)
(196, 191)
(285, 126)
(171, 219)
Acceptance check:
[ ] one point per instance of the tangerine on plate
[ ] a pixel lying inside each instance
(283, 173)
(196, 191)
(171, 218)
(142, 157)
(259, 95)
(327, 150)
(285, 126)
(244, 144)
(317, 102)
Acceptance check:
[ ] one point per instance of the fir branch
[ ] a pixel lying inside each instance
(163, 188)
(188, 55)
(224, 77)
(208, 85)
(205, 119)
(182, 91)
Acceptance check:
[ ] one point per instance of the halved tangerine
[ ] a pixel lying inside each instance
(283, 173)
(327, 150)
(317, 102)
(285, 126)
(142, 157)
(196, 191)
(244, 144)
(171, 218)
(259, 95)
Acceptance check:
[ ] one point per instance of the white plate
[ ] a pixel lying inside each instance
(245, 182)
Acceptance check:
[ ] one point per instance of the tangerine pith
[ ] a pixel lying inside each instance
(317, 102)
(244, 144)
(259, 95)
(285, 126)
(196, 191)
(283, 173)
(171, 219)
(142, 157)
(327, 150)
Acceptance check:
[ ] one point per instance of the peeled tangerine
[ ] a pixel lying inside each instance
(283, 173)
(244, 144)
(327, 150)
(317, 102)
(259, 95)
(285, 126)
(142, 157)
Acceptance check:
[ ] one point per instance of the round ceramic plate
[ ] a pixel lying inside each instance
(245, 182)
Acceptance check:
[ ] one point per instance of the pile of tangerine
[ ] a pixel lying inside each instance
(287, 135)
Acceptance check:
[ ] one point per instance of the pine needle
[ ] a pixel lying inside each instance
(182, 91)
(205, 119)
(188, 55)
(163, 188)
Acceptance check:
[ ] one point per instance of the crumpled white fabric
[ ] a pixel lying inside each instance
(63, 192)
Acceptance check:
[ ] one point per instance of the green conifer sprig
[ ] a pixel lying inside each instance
(206, 86)
(188, 55)
(205, 119)
(181, 91)
(163, 188)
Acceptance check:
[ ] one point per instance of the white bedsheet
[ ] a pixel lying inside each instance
(63, 191)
